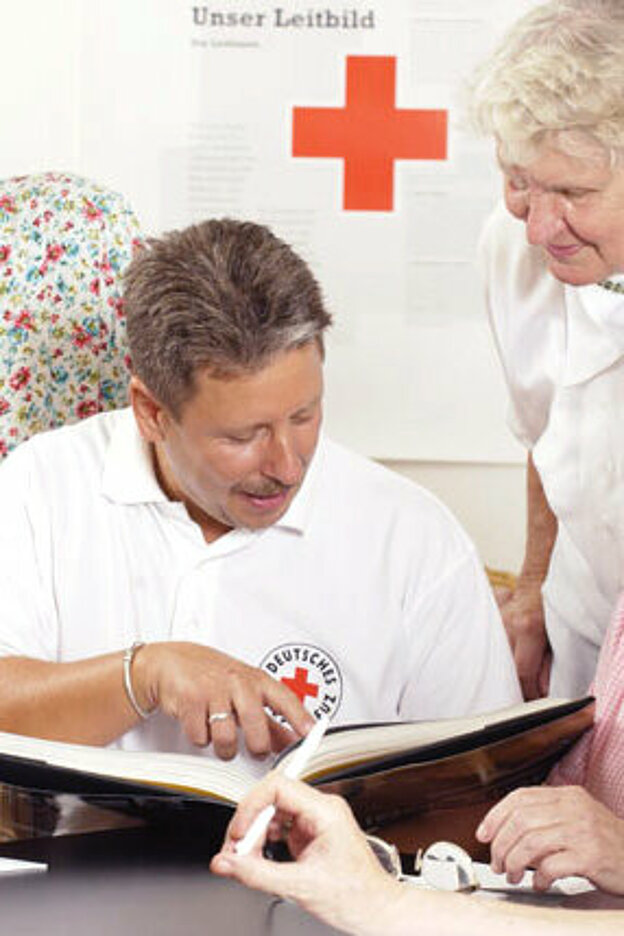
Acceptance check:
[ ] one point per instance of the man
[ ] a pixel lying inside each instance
(171, 572)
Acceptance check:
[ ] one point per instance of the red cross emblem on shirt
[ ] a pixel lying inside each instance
(300, 685)
(369, 133)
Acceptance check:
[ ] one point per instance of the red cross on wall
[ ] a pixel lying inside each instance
(300, 685)
(369, 133)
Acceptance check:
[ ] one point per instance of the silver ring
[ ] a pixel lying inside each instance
(218, 716)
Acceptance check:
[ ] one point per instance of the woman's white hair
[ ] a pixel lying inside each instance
(556, 78)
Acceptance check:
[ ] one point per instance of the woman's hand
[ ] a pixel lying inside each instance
(335, 875)
(558, 831)
(523, 617)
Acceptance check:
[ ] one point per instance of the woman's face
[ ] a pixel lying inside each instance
(573, 209)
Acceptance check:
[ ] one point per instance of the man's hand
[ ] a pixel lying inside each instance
(558, 831)
(335, 875)
(523, 617)
(190, 683)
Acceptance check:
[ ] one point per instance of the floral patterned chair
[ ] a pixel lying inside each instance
(64, 244)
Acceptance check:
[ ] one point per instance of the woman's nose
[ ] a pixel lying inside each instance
(544, 217)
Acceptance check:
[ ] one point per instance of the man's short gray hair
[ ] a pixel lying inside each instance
(223, 295)
(557, 78)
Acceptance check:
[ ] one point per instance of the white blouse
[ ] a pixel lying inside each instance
(562, 351)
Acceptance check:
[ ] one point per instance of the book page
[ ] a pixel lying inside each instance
(228, 781)
(353, 745)
(183, 773)
(10, 866)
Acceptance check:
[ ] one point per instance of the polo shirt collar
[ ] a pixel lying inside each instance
(129, 478)
(299, 514)
(595, 332)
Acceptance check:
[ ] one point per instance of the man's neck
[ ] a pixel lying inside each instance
(212, 529)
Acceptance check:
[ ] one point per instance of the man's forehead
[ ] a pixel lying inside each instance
(227, 371)
(289, 379)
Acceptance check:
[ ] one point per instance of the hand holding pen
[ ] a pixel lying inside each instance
(293, 770)
(333, 864)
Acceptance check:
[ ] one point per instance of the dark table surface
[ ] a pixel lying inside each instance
(145, 881)
(150, 880)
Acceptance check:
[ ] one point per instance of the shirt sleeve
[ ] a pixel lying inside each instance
(523, 303)
(27, 616)
(597, 759)
(571, 770)
(460, 662)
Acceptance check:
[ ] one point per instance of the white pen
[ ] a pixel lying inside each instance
(301, 758)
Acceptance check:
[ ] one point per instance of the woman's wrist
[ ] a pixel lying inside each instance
(375, 910)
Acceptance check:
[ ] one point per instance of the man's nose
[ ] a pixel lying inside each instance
(545, 217)
(282, 461)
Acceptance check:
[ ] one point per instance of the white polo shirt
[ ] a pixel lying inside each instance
(366, 597)
(562, 351)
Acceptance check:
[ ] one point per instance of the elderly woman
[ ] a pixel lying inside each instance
(553, 98)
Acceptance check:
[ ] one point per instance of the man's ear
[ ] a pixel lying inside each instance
(150, 415)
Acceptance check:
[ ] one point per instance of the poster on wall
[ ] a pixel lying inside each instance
(345, 137)
(340, 126)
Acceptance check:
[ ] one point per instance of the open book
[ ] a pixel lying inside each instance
(387, 771)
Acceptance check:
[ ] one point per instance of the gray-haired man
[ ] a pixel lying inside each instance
(204, 556)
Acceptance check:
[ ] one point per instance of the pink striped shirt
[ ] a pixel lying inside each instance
(597, 760)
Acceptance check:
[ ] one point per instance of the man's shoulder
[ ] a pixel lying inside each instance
(362, 469)
(372, 487)
(380, 519)
(77, 445)
(346, 462)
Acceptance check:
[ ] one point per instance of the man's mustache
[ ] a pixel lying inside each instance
(267, 489)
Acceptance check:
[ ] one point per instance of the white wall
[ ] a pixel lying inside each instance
(58, 53)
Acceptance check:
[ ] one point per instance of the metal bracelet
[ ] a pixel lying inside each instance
(128, 657)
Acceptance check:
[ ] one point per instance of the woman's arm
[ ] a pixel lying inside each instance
(523, 613)
(336, 877)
